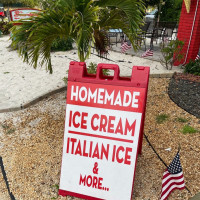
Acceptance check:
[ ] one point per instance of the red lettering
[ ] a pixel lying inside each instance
(111, 124)
(96, 152)
(94, 185)
(68, 141)
(84, 149)
(70, 118)
(78, 149)
(100, 183)
(82, 180)
(90, 153)
(127, 156)
(84, 121)
(76, 125)
(130, 128)
(103, 123)
(119, 160)
(89, 181)
(73, 140)
(113, 155)
(104, 151)
(95, 116)
(119, 128)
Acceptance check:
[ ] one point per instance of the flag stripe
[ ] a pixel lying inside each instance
(147, 53)
(125, 47)
(172, 176)
(180, 187)
(197, 57)
(171, 182)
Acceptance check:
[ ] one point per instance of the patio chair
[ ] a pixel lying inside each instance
(161, 31)
(170, 31)
(144, 31)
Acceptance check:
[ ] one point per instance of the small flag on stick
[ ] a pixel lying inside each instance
(147, 53)
(197, 57)
(125, 46)
(172, 178)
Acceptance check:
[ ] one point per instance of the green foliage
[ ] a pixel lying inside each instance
(92, 69)
(161, 118)
(7, 129)
(85, 21)
(188, 129)
(171, 53)
(193, 67)
(5, 27)
(182, 120)
(171, 10)
(61, 44)
(56, 187)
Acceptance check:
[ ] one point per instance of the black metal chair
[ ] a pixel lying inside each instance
(143, 34)
(161, 31)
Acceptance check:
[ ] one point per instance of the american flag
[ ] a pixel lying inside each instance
(147, 53)
(172, 178)
(125, 46)
(197, 57)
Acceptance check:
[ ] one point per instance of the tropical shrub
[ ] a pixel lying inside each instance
(171, 52)
(193, 67)
(62, 44)
(5, 27)
(85, 21)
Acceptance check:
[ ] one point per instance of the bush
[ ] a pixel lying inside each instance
(171, 53)
(5, 27)
(62, 44)
(193, 67)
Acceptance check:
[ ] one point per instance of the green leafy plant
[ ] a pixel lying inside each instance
(7, 129)
(5, 27)
(161, 118)
(182, 120)
(85, 21)
(188, 129)
(56, 187)
(171, 52)
(193, 67)
(91, 69)
(62, 44)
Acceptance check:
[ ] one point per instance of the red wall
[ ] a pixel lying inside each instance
(184, 31)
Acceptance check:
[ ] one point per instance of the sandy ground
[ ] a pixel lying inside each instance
(21, 83)
(31, 147)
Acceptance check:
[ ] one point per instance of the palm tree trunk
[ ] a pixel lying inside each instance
(81, 56)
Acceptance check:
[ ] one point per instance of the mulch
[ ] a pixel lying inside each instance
(184, 90)
(31, 147)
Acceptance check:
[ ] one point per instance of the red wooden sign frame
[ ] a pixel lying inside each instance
(138, 81)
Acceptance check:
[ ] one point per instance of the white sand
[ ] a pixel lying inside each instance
(20, 83)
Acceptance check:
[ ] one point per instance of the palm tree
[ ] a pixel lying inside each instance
(85, 21)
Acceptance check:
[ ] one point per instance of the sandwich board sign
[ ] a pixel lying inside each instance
(103, 132)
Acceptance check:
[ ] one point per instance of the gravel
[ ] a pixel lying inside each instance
(32, 151)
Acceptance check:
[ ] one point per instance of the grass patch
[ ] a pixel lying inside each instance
(188, 129)
(182, 120)
(161, 118)
(7, 129)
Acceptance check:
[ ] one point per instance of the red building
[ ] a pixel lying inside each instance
(189, 31)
